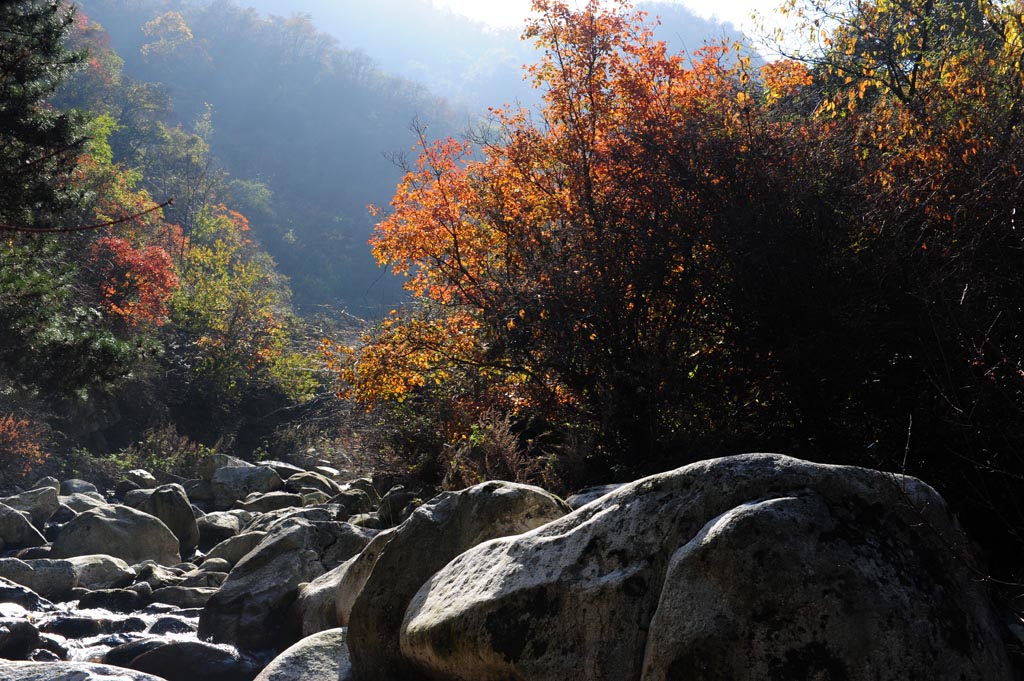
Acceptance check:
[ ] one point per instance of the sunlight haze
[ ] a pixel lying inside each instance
(511, 13)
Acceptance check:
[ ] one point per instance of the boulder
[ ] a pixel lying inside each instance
(158, 576)
(75, 486)
(212, 462)
(17, 531)
(315, 607)
(52, 579)
(12, 592)
(39, 503)
(233, 549)
(143, 478)
(435, 533)
(119, 531)
(250, 609)
(79, 502)
(215, 564)
(235, 483)
(199, 491)
(352, 575)
(218, 526)
(47, 481)
(585, 496)
(366, 485)
(114, 600)
(743, 568)
(184, 596)
(320, 657)
(311, 480)
(68, 671)
(101, 571)
(18, 638)
(354, 501)
(259, 502)
(195, 661)
(285, 470)
(170, 504)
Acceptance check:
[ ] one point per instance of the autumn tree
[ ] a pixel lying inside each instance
(576, 255)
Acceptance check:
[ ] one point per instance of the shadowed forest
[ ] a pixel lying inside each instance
(393, 245)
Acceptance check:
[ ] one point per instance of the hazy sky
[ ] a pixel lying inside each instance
(512, 12)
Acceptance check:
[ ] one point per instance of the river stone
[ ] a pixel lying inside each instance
(79, 502)
(743, 568)
(17, 531)
(184, 596)
(170, 504)
(18, 638)
(235, 483)
(284, 469)
(69, 671)
(233, 549)
(210, 463)
(250, 609)
(320, 657)
(119, 531)
(114, 600)
(141, 477)
(75, 486)
(263, 502)
(52, 579)
(434, 534)
(195, 661)
(311, 480)
(40, 504)
(354, 501)
(220, 525)
(101, 571)
(20, 595)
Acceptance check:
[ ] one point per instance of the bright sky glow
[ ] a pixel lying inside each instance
(510, 13)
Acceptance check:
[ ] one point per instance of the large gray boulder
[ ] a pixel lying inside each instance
(119, 531)
(68, 671)
(434, 534)
(235, 483)
(40, 504)
(52, 579)
(750, 567)
(320, 657)
(250, 609)
(17, 531)
(170, 504)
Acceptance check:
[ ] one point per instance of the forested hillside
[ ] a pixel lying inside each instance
(462, 60)
(305, 126)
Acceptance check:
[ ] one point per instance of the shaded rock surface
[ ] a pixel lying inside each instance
(435, 533)
(250, 608)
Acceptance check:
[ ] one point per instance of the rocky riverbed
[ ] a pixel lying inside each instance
(750, 567)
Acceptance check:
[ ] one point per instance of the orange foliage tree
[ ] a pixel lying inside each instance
(568, 260)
